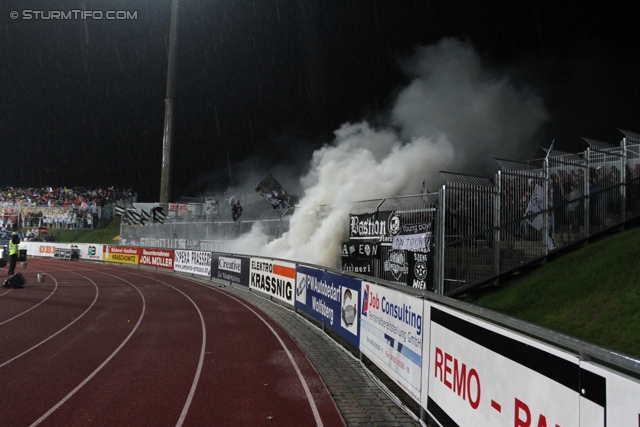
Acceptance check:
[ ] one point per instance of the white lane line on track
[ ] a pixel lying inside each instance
(196, 379)
(59, 331)
(26, 311)
(312, 402)
(310, 399)
(103, 364)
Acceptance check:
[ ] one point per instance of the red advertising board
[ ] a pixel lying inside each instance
(156, 257)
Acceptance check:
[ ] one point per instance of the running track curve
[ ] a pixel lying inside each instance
(104, 345)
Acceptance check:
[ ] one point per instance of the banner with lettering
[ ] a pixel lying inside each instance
(421, 270)
(378, 226)
(330, 298)
(194, 262)
(230, 267)
(360, 250)
(121, 254)
(480, 374)
(91, 251)
(273, 277)
(360, 266)
(157, 257)
(394, 265)
(413, 237)
(392, 333)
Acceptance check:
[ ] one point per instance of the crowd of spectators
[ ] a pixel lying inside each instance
(63, 196)
(76, 207)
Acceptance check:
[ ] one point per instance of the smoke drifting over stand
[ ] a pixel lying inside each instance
(455, 115)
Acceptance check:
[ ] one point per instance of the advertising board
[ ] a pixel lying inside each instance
(620, 406)
(121, 254)
(156, 257)
(275, 278)
(88, 250)
(194, 262)
(392, 331)
(47, 249)
(330, 298)
(42, 249)
(230, 267)
(481, 374)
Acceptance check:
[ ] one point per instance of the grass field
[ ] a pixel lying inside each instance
(592, 293)
(103, 235)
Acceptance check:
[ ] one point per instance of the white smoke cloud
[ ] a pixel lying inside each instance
(482, 113)
(455, 115)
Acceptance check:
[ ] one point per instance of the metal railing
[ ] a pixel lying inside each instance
(483, 227)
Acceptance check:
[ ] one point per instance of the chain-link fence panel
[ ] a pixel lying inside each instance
(470, 229)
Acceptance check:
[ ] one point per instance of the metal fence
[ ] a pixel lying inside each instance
(28, 217)
(483, 227)
(204, 233)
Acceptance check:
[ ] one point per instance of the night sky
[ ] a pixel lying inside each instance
(263, 83)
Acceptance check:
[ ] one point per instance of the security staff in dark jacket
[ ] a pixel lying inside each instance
(13, 253)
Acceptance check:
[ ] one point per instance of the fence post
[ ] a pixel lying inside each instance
(545, 206)
(587, 196)
(439, 273)
(497, 226)
(623, 183)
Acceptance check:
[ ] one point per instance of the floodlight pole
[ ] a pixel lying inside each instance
(167, 139)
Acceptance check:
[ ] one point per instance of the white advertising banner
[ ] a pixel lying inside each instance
(47, 249)
(481, 375)
(621, 400)
(276, 278)
(43, 249)
(411, 242)
(88, 250)
(194, 262)
(392, 330)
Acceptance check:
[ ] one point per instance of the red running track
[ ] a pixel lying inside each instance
(105, 345)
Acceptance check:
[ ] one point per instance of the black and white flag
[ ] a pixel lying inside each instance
(536, 205)
(132, 216)
(211, 206)
(158, 215)
(270, 189)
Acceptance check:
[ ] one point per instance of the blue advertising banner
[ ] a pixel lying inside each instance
(330, 298)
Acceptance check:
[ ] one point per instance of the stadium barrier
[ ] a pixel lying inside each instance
(464, 365)
(480, 228)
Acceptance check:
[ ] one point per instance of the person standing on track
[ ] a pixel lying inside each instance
(13, 253)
